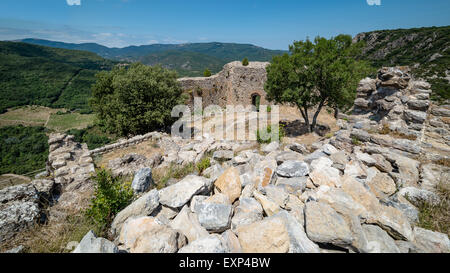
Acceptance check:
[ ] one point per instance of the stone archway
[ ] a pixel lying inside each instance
(256, 100)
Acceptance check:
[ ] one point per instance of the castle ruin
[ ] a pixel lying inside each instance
(236, 84)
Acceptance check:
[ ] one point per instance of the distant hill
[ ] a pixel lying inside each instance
(32, 74)
(187, 59)
(425, 50)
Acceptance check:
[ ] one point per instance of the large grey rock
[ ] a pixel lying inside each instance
(379, 241)
(142, 180)
(209, 244)
(231, 242)
(316, 155)
(291, 169)
(148, 235)
(277, 195)
(298, 240)
(214, 217)
(223, 155)
(415, 116)
(421, 105)
(428, 241)
(418, 195)
(178, 195)
(187, 223)
(360, 135)
(299, 148)
(326, 176)
(273, 146)
(19, 209)
(214, 172)
(294, 185)
(325, 225)
(144, 206)
(248, 212)
(288, 156)
(321, 163)
(91, 244)
(341, 202)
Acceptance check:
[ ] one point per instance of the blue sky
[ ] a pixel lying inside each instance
(268, 23)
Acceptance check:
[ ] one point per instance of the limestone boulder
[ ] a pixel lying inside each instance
(267, 236)
(91, 244)
(147, 235)
(187, 223)
(209, 244)
(179, 194)
(269, 206)
(325, 225)
(382, 185)
(379, 241)
(248, 212)
(214, 217)
(229, 183)
(142, 180)
(326, 176)
(428, 241)
(144, 206)
(291, 169)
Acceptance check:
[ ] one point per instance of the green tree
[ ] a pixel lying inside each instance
(207, 73)
(317, 74)
(135, 100)
(245, 62)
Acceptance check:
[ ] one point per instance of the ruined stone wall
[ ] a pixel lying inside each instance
(234, 85)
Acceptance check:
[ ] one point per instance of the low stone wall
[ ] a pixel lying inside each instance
(126, 143)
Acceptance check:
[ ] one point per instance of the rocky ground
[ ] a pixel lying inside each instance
(350, 192)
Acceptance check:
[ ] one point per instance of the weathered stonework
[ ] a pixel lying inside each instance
(234, 85)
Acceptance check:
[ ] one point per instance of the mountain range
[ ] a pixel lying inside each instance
(187, 59)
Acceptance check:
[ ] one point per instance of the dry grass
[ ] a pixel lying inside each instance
(52, 238)
(387, 131)
(443, 162)
(146, 148)
(436, 217)
(162, 175)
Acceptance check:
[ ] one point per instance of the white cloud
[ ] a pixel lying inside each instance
(73, 2)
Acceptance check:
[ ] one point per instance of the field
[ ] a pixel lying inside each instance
(54, 119)
(64, 122)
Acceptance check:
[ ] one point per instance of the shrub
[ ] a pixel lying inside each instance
(136, 100)
(245, 62)
(111, 196)
(355, 141)
(204, 164)
(207, 73)
(268, 134)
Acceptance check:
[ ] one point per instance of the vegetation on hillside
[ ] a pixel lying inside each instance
(112, 194)
(317, 74)
(22, 149)
(186, 59)
(135, 100)
(425, 50)
(37, 75)
(92, 136)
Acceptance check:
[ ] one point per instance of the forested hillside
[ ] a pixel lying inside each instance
(31, 74)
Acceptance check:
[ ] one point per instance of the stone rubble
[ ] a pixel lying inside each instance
(350, 192)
